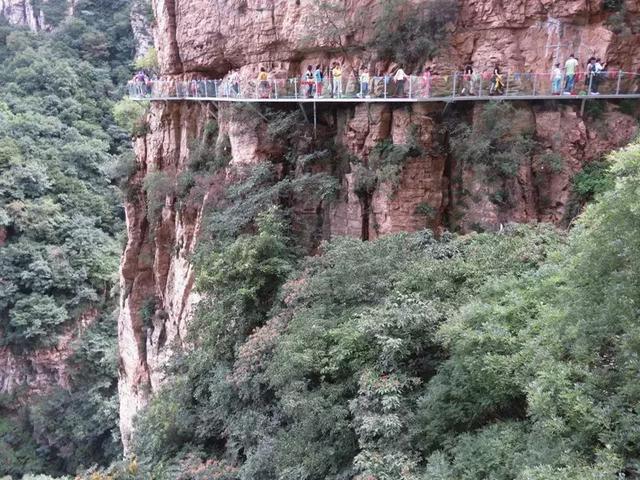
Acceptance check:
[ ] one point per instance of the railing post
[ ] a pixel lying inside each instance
(506, 92)
(480, 85)
(206, 94)
(455, 81)
(295, 87)
(177, 89)
(384, 81)
(275, 88)
(535, 79)
(590, 83)
(619, 80)
(410, 86)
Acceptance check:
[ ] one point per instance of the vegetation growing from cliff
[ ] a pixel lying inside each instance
(500, 138)
(61, 225)
(385, 164)
(334, 23)
(504, 356)
(411, 33)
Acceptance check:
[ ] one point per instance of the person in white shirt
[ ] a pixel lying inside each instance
(400, 78)
(556, 80)
(598, 73)
(570, 74)
(364, 83)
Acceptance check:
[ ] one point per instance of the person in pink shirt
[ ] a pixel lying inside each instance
(426, 81)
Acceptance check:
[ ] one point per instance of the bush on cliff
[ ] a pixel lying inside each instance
(131, 116)
(411, 33)
(504, 356)
(499, 140)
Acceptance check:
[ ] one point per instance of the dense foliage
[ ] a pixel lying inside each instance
(412, 33)
(61, 224)
(498, 141)
(502, 356)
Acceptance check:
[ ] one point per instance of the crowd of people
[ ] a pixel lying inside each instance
(562, 80)
(142, 83)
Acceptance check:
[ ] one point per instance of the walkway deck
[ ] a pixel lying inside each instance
(449, 99)
(443, 89)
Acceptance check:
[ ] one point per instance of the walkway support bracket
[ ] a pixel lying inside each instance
(315, 121)
(304, 113)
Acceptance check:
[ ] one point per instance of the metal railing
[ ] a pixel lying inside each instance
(381, 88)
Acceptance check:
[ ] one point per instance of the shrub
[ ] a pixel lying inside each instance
(628, 107)
(210, 153)
(148, 310)
(149, 61)
(121, 168)
(595, 178)
(332, 23)
(158, 186)
(595, 110)
(131, 116)
(613, 5)
(35, 318)
(410, 33)
(387, 159)
(553, 161)
(426, 211)
(500, 139)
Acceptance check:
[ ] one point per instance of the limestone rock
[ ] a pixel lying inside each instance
(198, 38)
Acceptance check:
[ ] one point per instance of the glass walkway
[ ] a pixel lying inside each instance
(436, 88)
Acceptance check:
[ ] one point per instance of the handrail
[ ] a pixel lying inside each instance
(456, 86)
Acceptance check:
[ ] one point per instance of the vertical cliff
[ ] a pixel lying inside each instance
(23, 12)
(432, 187)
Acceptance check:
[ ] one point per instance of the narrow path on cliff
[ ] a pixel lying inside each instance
(441, 88)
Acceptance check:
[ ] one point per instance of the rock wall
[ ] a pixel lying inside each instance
(141, 25)
(198, 38)
(34, 374)
(23, 12)
(194, 36)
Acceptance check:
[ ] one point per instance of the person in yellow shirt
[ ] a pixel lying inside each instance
(263, 83)
(336, 74)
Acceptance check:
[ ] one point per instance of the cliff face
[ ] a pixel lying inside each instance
(23, 12)
(212, 37)
(197, 38)
(35, 373)
(28, 13)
